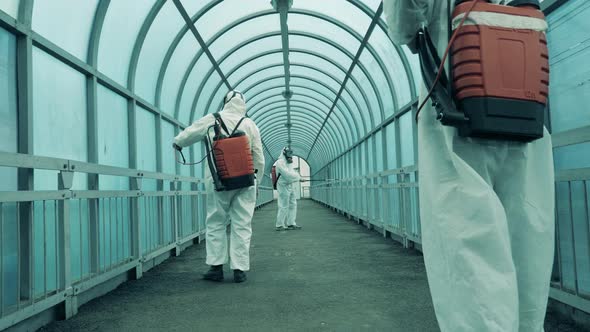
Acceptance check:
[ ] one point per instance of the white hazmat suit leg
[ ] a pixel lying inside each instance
(235, 206)
(287, 213)
(287, 205)
(486, 208)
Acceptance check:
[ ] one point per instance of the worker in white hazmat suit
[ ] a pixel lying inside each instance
(234, 206)
(486, 208)
(287, 177)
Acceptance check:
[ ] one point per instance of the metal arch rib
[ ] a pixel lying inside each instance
(308, 114)
(96, 32)
(143, 31)
(308, 13)
(321, 84)
(311, 53)
(322, 72)
(323, 95)
(307, 104)
(312, 108)
(306, 35)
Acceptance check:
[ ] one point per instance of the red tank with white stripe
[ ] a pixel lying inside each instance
(500, 60)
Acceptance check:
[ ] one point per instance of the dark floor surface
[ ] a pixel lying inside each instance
(331, 276)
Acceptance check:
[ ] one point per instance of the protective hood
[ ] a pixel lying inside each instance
(282, 158)
(236, 105)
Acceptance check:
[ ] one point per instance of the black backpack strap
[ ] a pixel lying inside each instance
(220, 120)
(238, 125)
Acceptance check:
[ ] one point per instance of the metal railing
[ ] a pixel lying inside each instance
(386, 200)
(64, 242)
(571, 271)
(389, 202)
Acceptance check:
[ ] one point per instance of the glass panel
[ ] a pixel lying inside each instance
(146, 149)
(572, 156)
(331, 68)
(8, 106)
(394, 65)
(230, 11)
(265, 95)
(118, 36)
(244, 31)
(192, 85)
(371, 156)
(54, 20)
(360, 100)
(253, 66)
(347, 12)
(113, 137)
(206, 103)
(168, 134)
(407, 140)
(347, 104)
(316, 75)
(313, 25)
(302, 42)
(249, 50)
(276, 71)
(262, 86)
(158, 40)
(391, 141)
(414, 61)
(383, 89)
(379, 140)
(10, 7)
(59, 120)
(565, 240)
(569, 48)
(179, 64)
(370, 93)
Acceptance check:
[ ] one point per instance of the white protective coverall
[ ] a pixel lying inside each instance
(287, 198)
(234, 206)
(486, 208)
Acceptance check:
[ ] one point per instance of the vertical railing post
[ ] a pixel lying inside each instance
(406, 208)
(65, 182)
(24, 70)
(136, 229)
(175, 186)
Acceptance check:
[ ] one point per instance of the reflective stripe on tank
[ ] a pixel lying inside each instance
(502, 21)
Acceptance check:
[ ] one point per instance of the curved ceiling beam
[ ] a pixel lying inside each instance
(295, 65)
(335, 22)
(304, 140)
(301, 136)
(320, 94)
(95, 34)
(328, 88)
(310, 115)
(306, 35)
(339, 128)
(311, 107)
(147, 23)
(359, 87)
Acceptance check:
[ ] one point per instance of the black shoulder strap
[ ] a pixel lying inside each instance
(220, 120)
(238, 125)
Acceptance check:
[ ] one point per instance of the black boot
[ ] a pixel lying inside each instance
(215, 273)
(239, 276)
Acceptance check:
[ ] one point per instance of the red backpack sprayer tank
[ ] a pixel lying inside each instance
(500, 70)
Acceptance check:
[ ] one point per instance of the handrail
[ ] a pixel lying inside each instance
(18, 160)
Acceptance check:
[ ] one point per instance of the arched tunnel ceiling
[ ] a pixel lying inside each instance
(181, 56)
